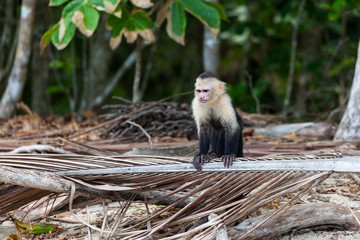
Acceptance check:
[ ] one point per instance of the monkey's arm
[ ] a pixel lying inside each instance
(204, 146)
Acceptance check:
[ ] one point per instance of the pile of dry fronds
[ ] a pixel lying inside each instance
(187, 196)
(140, 121)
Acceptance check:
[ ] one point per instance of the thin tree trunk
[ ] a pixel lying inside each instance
(99, 63)
(137, 77)
(211, 50)
(5, 41)
(290, 81)
(18, 73)
(40, 71)
(114, 80)
(349, 128)
(85, 80)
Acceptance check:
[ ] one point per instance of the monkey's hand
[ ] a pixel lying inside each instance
(199, 160)
(210, 156)
(228, 160)
(202, 158)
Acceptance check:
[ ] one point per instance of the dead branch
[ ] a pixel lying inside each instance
(143, 130)
(42, 184)
(34, 179)
(84, 148)
(298, 217)
(38, 149)
(160, 120)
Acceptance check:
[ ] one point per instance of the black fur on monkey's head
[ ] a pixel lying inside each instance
(205, 75)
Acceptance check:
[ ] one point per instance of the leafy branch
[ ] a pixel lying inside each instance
(130, 20)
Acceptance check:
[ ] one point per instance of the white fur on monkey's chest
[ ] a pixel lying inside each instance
(221, 110)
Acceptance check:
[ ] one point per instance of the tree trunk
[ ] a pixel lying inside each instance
(137, 77)
(290, 81)
(40, 80)
(211, 51)
(100, 57)
(18, 73)
(6, 36)
(349, 128)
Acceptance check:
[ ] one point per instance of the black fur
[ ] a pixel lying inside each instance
(207, 75)
(224, 144)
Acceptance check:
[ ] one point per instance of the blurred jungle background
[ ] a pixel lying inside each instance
(291, 57)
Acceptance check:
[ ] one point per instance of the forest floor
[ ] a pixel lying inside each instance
(340, 188)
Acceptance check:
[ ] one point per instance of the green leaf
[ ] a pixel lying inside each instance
(108, 6)
(46, 38)
(178, 19)
(341, 66)
(56, 2)
(139, 21)
(86, 18)
(118, 24)
(71, 7)
(333, 16)
(83, 15)
(219, 9)
(26, 228)
(56, 64)
(325, 6)
(64, 33)
(135, 22)
(54, 89)
(131, 25)
(203, 12)
(339, 5)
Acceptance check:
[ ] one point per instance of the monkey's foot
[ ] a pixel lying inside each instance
(228, 160)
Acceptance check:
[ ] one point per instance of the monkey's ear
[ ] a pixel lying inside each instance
(221, 86)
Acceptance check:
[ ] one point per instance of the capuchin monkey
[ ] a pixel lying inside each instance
(217, 122)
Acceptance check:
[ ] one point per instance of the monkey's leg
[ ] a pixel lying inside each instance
(231, 147)
(204, 146)
(215, 147)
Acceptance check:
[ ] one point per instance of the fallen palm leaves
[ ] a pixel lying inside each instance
(232, 195)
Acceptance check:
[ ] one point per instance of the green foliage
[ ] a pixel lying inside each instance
(204, 12)
(57, 2)
(178, 19)
(128, 20)
(256, 38)
(341, 66)
(335, 9)
(131, 22)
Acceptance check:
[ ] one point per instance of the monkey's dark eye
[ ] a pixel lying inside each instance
(205, 91)
(198, 91)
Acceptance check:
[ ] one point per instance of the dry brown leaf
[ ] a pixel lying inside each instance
(147, 35)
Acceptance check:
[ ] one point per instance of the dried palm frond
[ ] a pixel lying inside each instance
(231, 193)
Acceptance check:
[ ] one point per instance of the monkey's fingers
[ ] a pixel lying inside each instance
(227, 160)
(210, 156)
(197, 162)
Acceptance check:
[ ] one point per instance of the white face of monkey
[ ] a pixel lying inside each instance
(204, 91)
(208, 89)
